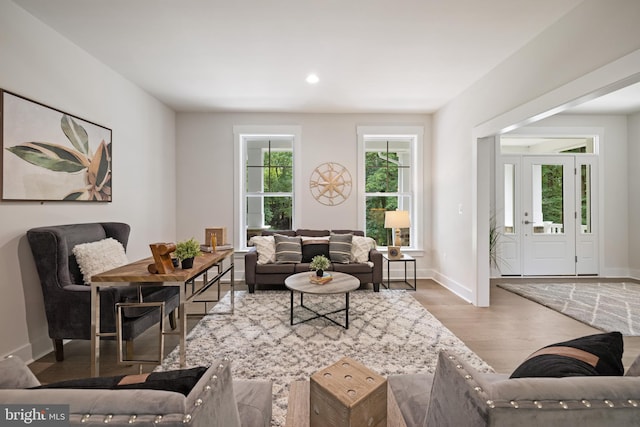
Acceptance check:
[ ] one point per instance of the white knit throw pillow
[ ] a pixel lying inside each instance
(360, 247)
(97, 257)
(266, 248)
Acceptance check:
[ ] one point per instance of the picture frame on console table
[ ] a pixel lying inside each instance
(219, 232)
(50, 155)
(393, 252)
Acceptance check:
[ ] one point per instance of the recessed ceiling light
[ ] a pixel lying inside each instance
(312, 79)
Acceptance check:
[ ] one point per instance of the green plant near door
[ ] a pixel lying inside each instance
(494, 235)
(495, 260)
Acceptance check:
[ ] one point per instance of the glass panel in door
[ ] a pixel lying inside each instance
(587, 225)
(585, 199)
(505, 237)
(548, 199)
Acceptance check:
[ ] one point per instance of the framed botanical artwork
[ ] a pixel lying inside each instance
(49, 155)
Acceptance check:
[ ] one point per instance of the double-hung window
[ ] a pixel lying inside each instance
(266, 181)
(389, 163)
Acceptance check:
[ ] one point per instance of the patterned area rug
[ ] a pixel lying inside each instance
(389, 332)
(606, 306)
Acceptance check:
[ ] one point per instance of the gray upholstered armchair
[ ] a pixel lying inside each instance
(67, 299)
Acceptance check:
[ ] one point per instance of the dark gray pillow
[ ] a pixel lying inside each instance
(313, 246)
(340, 248)
(598, 354)
(288, 249)
(179, 381)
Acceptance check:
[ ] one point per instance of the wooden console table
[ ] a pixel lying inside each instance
(136, 274)
(298, 407)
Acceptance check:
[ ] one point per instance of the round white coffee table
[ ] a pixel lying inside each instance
(341, 283)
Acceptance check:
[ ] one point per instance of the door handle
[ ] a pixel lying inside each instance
(526, 222)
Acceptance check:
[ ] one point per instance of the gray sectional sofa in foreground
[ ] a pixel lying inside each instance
(216, 400)
(458, 396)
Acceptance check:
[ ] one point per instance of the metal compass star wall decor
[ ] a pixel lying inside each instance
(330, 183)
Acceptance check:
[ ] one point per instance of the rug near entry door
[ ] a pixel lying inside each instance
(608, 306)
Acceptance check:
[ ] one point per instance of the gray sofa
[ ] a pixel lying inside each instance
(216, 400)
(274, 273)
(458, 396)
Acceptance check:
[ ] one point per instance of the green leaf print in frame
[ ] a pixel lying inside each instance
(49, 155)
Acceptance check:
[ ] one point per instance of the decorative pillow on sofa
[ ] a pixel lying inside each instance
(360, 247)
(599, 354)
(97, 257)
(265, 247)
(312, 246)
(288, 249)
(179, 381)
(340, 248)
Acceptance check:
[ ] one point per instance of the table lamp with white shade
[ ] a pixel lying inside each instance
(396, 220)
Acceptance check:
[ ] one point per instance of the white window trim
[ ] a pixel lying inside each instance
(417, 162)
(239, 132)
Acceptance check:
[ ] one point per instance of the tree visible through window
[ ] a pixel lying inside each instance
(552, 190)
(387, 185)
(268, 184)
(278, 178)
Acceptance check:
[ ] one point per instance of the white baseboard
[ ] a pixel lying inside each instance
(42, 347)
(455, 287)
(634, 274)
(24, 352)
(618, 272)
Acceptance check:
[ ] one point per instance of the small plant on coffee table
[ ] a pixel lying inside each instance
(319, 263)
(186, 251)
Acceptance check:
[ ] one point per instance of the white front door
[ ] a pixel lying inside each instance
(548, 215)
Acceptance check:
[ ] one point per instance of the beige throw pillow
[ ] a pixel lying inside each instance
(266, 248)
(360, 247)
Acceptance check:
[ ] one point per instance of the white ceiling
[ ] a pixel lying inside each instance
(622, 101)
(253, 55)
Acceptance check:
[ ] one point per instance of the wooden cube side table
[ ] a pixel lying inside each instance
(347, 394)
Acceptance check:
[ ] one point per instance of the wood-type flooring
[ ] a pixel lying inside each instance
(503, 334)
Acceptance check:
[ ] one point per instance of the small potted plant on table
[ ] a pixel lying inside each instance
(186, 251)
(319, 263)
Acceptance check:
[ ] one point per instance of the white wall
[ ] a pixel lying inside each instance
(593, 35)
(205, 172)
(633, 160)
(41, 65)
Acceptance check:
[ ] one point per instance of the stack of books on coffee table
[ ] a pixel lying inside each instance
(314, 278)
